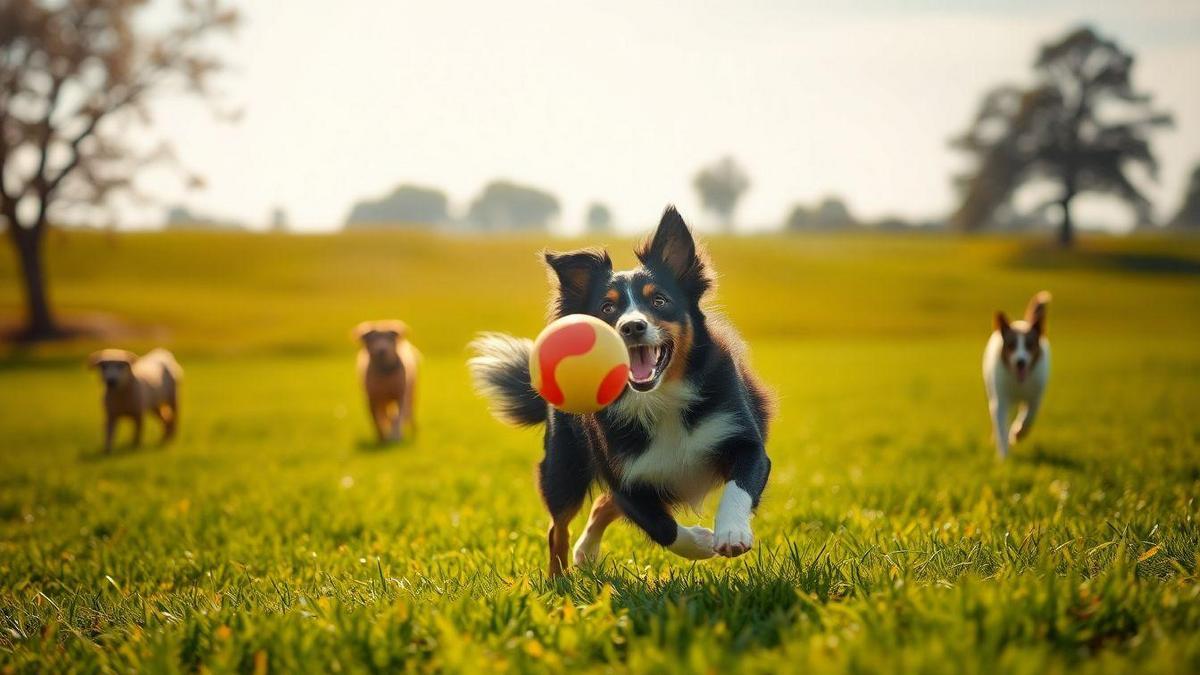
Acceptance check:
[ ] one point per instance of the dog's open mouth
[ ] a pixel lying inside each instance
(646, 365)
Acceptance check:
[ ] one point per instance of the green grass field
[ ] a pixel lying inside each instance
(275, 536)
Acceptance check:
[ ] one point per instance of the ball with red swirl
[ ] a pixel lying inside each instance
(579, 364)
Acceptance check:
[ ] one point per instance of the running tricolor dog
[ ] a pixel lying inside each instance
(691, 417)
(1016, 368)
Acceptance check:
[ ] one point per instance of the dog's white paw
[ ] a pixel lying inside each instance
(693, 543)
(587, 549)
(733, 536)
(734, 540)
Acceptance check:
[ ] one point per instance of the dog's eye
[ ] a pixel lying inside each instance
(659, 301)
(608, 308)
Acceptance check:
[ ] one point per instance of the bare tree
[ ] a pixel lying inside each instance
(71, 73)
(1063, 131)
(721, 185)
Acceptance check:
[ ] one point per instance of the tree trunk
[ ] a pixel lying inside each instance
(40, 323)
(1066, 231)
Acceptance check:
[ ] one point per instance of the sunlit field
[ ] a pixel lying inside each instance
(276, 535)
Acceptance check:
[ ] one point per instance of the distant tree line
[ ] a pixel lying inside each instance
(502, 205)
(1060, 131)
(180, 217)
(408, 204)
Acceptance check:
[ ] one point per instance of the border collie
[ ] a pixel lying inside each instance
(692, 417)
(1016, 367)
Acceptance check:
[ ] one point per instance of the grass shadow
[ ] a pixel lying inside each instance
(374, 445)
(1044, 256)
(1040, 456)
(126, 450)
(758, 598)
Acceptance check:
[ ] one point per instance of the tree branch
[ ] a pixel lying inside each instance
(88, 130)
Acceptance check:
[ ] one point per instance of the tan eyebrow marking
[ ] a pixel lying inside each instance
(649, 290)
(611, 295)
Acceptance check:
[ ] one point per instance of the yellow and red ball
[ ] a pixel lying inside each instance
(579, 364)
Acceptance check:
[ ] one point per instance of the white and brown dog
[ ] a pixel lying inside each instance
(387, 364)
(1016, 367)
(134, 386)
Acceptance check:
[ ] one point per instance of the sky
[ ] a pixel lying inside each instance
(622, 101)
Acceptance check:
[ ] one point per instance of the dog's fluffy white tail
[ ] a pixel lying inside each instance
(500, 371)
(166, 358)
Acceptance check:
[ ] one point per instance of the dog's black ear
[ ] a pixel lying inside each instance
(574, 273)
(673, 249)
(1001, 322)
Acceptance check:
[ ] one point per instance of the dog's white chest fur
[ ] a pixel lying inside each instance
(677, 458)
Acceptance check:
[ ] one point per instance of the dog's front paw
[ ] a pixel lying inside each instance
(694, 543)
(734, 540)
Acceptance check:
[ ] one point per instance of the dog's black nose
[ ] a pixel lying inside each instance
(633, 328)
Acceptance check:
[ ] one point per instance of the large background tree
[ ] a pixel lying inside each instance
(720, 186)
(1081, 127)
(74, 76)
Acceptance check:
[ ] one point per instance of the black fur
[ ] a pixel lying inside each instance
(582, 450)
(501, 371)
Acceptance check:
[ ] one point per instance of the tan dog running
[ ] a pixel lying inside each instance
(387, 364)
(134, 386)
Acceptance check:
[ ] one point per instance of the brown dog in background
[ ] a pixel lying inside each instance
(387, 364)
(134, 386)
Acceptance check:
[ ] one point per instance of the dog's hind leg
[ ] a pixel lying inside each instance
(137, 430)
(1024, 422)
(604, 512)
(644, 506)
(379, 419)
(408, 419)
(564, 476)
(170, 417)
(110, 429)
(164, 415)
(395, 422)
